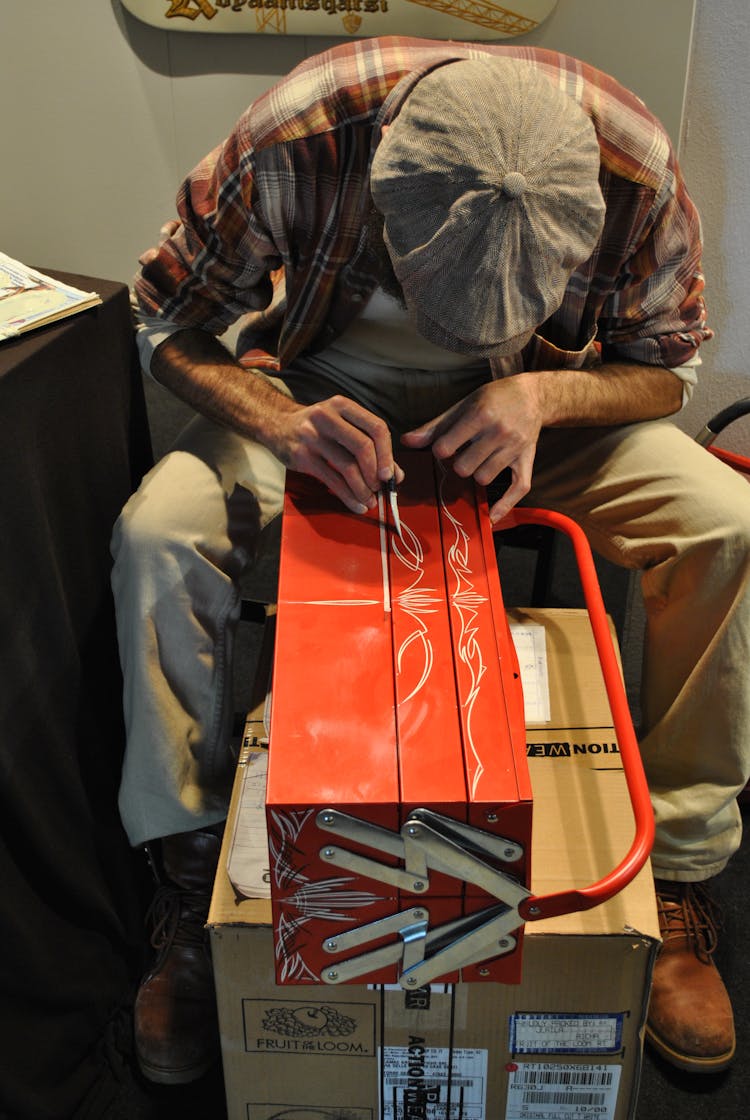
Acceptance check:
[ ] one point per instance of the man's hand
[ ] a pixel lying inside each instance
(340, 443)
(498, 425)
(495, 427)
(337, 441)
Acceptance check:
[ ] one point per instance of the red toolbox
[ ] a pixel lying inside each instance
(399, 806)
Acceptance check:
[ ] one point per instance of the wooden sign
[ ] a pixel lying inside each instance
(434, 19)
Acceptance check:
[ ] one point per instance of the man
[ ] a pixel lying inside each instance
(489, 252)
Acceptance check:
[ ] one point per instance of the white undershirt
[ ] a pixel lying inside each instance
(384, 335)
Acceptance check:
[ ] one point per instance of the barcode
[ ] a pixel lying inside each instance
(458, 1111)
(563, 1077)
(530, 1097)
(397, 1082)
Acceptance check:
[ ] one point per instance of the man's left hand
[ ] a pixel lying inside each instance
(495, 427)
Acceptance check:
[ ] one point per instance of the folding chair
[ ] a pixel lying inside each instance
(717, 424)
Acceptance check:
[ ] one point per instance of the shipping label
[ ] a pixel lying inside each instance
(549, 1091)
(433, 1083)
(560, 1033)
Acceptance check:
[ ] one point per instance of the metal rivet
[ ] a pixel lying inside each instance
(418, 886)
(535, 910)
(417, 915)
(509, 853)
(328, 853)
(503, 943)
(332, 975)
(484, 972)
(491, 817)
(411, 981)
(412, 830)
(331, 946)
(327, 818)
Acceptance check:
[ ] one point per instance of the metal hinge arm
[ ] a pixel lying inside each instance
(455, 945)
(443, 854)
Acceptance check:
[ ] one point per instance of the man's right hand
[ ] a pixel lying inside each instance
(340, 443)
(345, 446)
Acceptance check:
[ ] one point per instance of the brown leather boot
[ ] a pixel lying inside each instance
(176, 1028)
(690, 1022)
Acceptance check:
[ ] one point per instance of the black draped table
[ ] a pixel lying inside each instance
(73, 444)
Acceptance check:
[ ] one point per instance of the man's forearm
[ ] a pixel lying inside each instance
(200, 371)
(498, 425)
(335, 440)
(615, 393)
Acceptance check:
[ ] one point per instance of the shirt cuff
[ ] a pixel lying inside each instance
(688, 375)
(150, 332)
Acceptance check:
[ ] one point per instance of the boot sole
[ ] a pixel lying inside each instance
(688, 1062)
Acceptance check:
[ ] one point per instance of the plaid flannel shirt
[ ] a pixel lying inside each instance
(272, 220)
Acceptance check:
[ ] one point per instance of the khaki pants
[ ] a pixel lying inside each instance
(647, 496)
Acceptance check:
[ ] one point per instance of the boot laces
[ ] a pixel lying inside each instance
(177, 918)
(687, 910)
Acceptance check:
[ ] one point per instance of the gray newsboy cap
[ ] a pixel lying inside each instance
(487, 181)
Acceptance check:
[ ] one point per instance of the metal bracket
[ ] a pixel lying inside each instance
(409, 925)
(427, 840)
(425, 953)
(423, 830)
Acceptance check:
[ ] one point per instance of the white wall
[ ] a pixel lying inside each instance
(715, 154)
(102, 116)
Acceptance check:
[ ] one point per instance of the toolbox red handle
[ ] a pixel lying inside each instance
(584, 898)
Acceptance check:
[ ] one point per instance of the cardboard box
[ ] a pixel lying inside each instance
(566, 1042)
